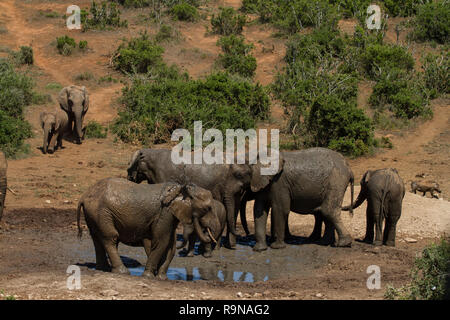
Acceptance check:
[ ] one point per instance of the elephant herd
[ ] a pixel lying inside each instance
(206, 198)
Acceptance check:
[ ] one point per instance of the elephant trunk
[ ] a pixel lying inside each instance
(79, 126)
(229, 206)
(361, 198)
(187, 231)
(198, 229)
(3, 185)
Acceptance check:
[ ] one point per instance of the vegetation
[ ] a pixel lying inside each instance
(65, 45)
(431, 22)
(23, 56)
(430, 276)
(103, 16)
(83, 45)
(16, 92)
(227, 22)
(166, 33)
(184, 12)
(436, 73)
(236, 57)
(95, 130)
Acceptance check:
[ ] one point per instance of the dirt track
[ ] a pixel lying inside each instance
(38, 237)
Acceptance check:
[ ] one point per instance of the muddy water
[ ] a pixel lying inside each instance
(239, 265)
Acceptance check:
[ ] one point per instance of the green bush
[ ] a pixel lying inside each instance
(23, 56)
(228, 22)
(377, 59)
(83, 44)
(184, 12)
(95, 130)
(166, 33)
(103, 16)
(138, 55)
(236, 56)
(432, 22)
(436, 72)
(134, 3)
(155, 108)
(65, 45)
(16, 92)
(430, 276)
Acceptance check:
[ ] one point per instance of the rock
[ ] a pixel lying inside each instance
(292, 294)
(319, 295)
(266, 293)
(109, 293)
(48, 201)
(247, 295)
(410, 240)
(257, 295)
(239, 294)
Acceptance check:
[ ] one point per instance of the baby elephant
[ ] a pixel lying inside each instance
(54, 124)
(384, 191)
(117, 210)
(433, 190)
(216, 219)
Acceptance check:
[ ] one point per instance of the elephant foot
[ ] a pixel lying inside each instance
(367, 240)
(259, 247)
(378, 243)
(120, 270)
(344, 242)
(278, 245)
(326, 241)
(148, 274)
(103, 267)
(207, 254)
(161, 276)
(390, 243)
(313, 237)
(190, 254)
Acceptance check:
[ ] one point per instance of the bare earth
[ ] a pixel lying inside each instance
(38, 234)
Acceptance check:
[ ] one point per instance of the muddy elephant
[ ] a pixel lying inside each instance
(55, 124)
(384, 191)
(3, 182)
(227, 182)
(311, 181)
(117, 210)
(216, 220)
(74, 100)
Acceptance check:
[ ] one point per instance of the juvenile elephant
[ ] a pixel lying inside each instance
(74, 100)
(3, 184)
(384, 191)
(216, 219)
(311, 181)
(55, 124)
(226, 182)
(117, 210)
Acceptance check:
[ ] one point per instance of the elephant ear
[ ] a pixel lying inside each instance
(63, 99)
(169, 193)
(58, 122)
(86, 99)
(182, 210)
(41, 118)
(260, 180)
(365, 179)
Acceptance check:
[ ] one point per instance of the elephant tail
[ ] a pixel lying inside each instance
(79, 208)
(352, 193)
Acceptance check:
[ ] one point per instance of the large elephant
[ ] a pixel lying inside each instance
(3, 182)
(117, 210)
(226, 182)
(312, 181)
(216, 220)
(384, 191)
(74, 100)
(55, 125)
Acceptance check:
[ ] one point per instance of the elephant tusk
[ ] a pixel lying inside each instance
(211, 236)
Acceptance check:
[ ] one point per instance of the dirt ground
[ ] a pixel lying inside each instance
(38, 234)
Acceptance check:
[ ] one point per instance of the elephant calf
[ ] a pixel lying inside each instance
(117, 210)
(55, 124)
(384, 190)
(216, 219)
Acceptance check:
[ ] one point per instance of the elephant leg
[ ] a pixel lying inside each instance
(333, 215)
(390, 229)
(110, 245)
(260, 212)
(329, 234)
(370, 224)
(59, 143)
(207, 250)
(378, 221)
(101, 260)
(287, 232)
(161, 246)
(317, 231)
(280, 210)
(191, 245)
(162, 273)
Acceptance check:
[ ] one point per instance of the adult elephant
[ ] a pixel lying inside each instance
(312, 181)
(3, 184)
(117, 210)
(226, 182)
(384, 191)
(74, 100)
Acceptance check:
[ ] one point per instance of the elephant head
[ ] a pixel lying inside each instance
(136, 169)
(363, 193)
(189, 204)
(75, 101)
(264, 174)
(3, 167)
(49, 123)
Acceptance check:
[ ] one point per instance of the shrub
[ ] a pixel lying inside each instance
(430, 276)
(227, 22)
(436, 73)
(16, 92)
(134, 3)
(184, 12)
(138, 55)
(105, 16)
(65, 45)
(95, 130)
(83, 45)
(236, 57)
(154, 109)
(431, 22)
(377, 59)
(23, 56)
(85, 76)
(166, 33)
